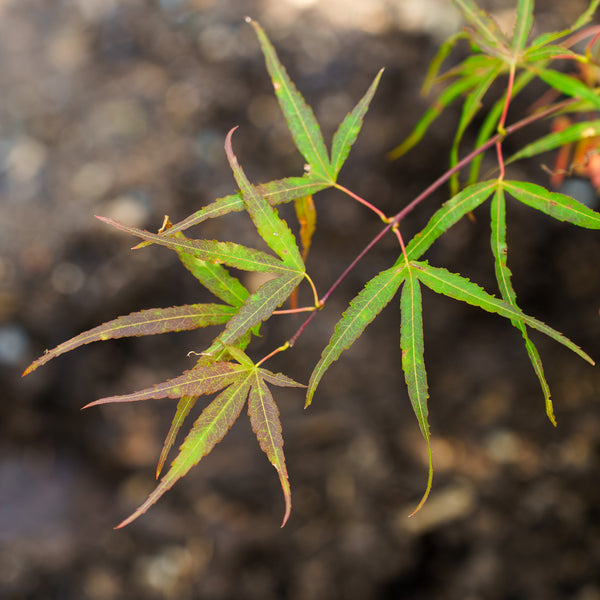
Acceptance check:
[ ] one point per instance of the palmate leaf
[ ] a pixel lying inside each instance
(413, 362)
(503, 277)
(348, 131)
(273, 230)
(202, 379)
(369, 302)
(216, 420)
(559, 206)
(146, 322)
(228, 253)
(299, 116)
(208, 430)
(458, 287)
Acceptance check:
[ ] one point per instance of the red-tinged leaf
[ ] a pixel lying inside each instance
(307, 218)
(208, 430)
(273, 230)
(229, 253)
(260, 306)
(146, 322)
(349, 128)
(274, 192)
(264, 418)
(184, 406)
(299, 116)
(364, 307)
(279, 379)
(202, 379)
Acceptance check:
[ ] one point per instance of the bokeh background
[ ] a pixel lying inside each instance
(120, 108)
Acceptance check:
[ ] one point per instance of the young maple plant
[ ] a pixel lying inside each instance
(226, 369)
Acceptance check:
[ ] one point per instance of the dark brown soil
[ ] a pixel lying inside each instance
(121, 109)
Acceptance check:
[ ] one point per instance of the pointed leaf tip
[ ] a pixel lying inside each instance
(429, 482)
(349, 128)
(228, 137)
(288, 509)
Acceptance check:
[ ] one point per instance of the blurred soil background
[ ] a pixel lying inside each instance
(120, 108)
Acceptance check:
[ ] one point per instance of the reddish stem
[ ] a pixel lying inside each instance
(423, 195)
(502, 122)
(370, 206)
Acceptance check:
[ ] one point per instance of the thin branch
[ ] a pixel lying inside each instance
(370, 206)
(425, 194)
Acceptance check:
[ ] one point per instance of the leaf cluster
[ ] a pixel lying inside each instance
(225, 370)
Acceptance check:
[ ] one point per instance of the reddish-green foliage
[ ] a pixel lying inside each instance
(224, 368)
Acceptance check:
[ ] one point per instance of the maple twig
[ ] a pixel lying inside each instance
(396, 230)
(502, 122)
(292, 311)
(318, 302)
(271, 354)
(370, 206)
(425, 194)
(479, 150)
